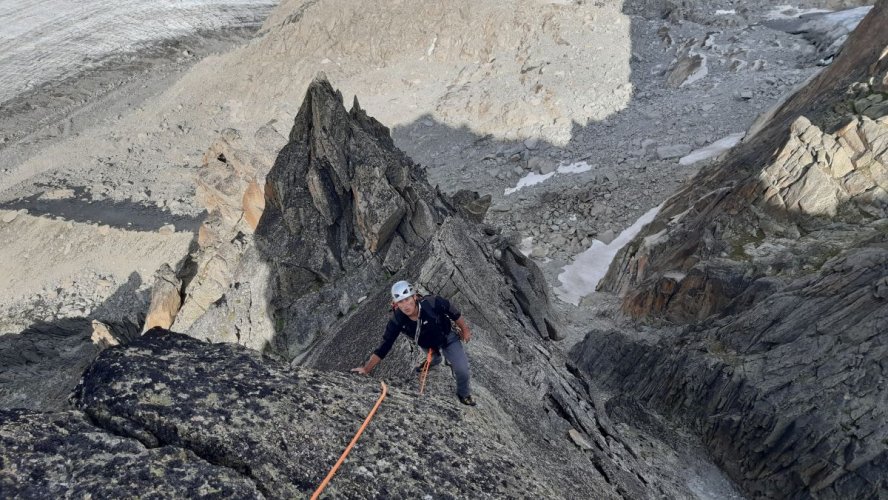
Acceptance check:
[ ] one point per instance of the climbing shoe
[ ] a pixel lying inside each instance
(467, 400)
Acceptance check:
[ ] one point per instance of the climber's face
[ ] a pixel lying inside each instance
(407, 306)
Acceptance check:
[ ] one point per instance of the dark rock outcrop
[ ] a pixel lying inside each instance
(170, 415)
(63, 455)
(40, 366)
(344, 208)
(770, 266)
(340, 193)
(472, 206)
(283, 428)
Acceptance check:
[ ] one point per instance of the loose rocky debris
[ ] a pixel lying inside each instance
(771, 266)
(636, 153)
(56, 269)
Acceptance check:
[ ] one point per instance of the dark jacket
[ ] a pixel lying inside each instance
(435, 315)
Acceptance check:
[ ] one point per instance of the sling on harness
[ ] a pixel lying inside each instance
(425, 369)
(425, 372)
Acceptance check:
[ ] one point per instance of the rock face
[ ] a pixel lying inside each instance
(281, 429)
(56, 455)
(230, 184)
(177, 416)
(788, 395)
(772, 266)
(165, 299)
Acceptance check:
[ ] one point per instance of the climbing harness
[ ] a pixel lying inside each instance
(351, 445)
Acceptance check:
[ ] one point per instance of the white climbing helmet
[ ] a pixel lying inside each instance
(402, 290)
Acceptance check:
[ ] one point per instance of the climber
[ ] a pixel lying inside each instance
(432, 332)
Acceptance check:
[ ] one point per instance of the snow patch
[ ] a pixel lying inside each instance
(716, 148)
(535, 178)
(528, 180)
(675, 275)
(431, 48)
(728, 12)
(575, 168)
(580, 278)
(832, 29)
(848, 18)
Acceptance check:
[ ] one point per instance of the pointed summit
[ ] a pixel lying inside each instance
(339, 195)
(346, 210)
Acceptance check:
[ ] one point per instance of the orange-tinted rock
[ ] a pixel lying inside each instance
(165, 299)
(253, 205)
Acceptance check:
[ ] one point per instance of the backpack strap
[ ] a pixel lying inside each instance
(418, 322)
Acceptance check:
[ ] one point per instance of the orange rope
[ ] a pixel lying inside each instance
(425, 372)
(351, 445)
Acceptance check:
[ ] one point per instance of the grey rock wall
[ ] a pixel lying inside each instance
(765, 277)
(789, 395)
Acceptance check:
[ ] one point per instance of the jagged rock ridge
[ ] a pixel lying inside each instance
(344, 210)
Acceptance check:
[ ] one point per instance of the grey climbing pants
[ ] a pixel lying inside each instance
(455, 354)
